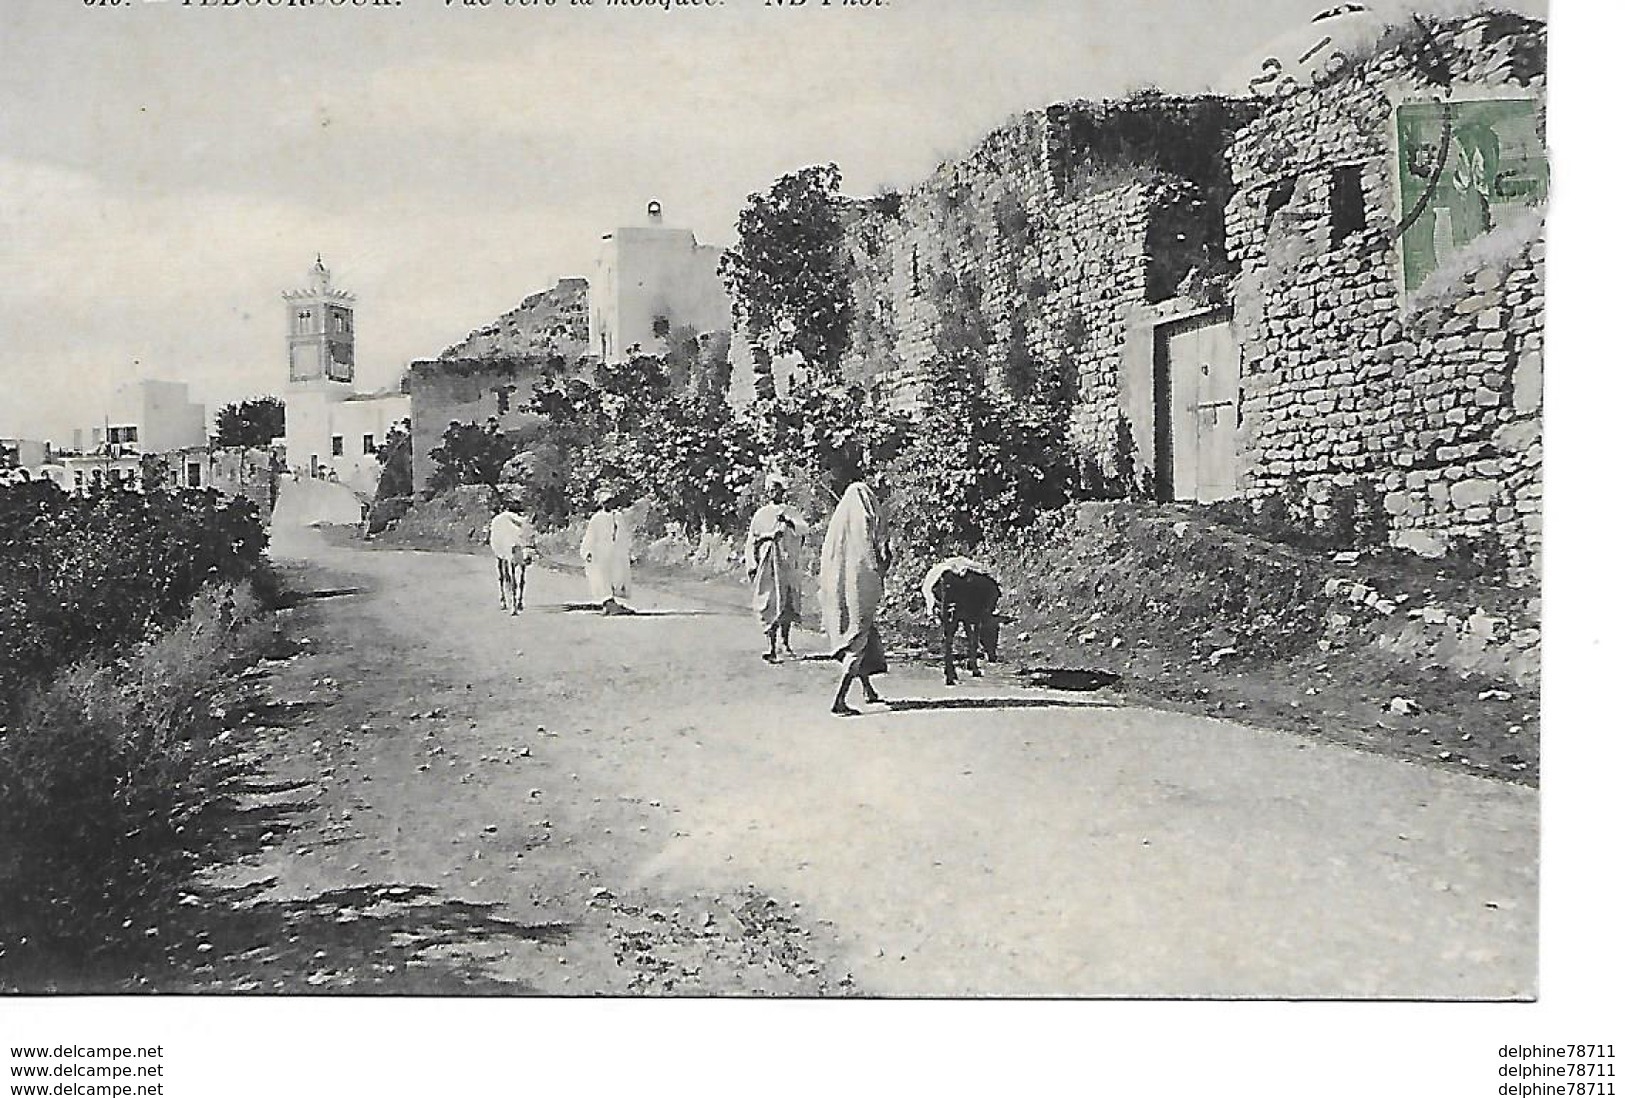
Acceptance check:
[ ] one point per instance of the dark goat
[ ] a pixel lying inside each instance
(968, 600)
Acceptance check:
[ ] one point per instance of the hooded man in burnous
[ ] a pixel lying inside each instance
(851, 582)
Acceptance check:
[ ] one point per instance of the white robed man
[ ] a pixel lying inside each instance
(775, 539)
(851, 581)
(606, 550)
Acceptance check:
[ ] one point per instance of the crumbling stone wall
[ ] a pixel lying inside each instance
(1028, 254)
(471, 391)
(553, 322)
(1432, 397)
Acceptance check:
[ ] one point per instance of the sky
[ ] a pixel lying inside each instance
(167, 169)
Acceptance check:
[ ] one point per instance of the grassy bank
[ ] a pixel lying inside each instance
(119, 780)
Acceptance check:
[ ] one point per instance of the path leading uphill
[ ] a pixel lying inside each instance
(582, 804)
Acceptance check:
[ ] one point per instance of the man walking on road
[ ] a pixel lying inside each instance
(852, 580)
(606, 550)
(775, 547)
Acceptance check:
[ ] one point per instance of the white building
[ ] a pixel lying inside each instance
(330, 429)
(146, 416)
(651, 280)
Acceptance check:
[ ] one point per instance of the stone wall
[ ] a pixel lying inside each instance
(1026, 256)
(470, 391)
(553, 322)
(1431, 396)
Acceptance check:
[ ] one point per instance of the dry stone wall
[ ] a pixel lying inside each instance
(1026, 255)
(468, 391)
(1432, 397)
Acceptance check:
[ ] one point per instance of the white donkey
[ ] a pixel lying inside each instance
(513, 544)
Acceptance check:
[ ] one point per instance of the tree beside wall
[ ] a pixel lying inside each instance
(789, 274)
(250, 422)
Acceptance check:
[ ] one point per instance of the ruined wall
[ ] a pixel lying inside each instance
(547, 323)
(469, 391)
(1027, 255)
(1424, 383)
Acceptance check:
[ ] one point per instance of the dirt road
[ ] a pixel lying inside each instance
(579, 804)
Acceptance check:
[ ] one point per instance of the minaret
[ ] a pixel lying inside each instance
(321, 332)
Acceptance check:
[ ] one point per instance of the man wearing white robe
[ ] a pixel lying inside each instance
(606, 550)
(775, 554)
(852, 579)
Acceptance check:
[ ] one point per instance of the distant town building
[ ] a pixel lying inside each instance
(650, 281)
(330, 429)
(24, 459)
(142, 418)
(145, 416)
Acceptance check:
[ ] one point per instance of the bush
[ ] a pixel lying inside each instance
(386, 513)
(827, 430)
(469, 455)
(1128, 569)
(90, 575)
(114, 786)
(978, 464)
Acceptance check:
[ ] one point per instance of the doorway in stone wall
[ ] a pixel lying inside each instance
(1196, 400)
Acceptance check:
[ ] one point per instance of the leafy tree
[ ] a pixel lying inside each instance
(979, 463)
(630, 390)
(469, 455)
(395, 461)
(789, 275)
(249, 423)
(829, 430)
(701, 460)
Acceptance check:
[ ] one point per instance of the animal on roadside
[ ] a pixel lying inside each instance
(965, 596)
(513, 544)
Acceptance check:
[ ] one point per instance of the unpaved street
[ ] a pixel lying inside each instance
(641, 804)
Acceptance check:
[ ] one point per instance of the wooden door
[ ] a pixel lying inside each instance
(1203, 399)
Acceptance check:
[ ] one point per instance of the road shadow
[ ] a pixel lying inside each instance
(292, 598)
(367, 939)
(918, 705)
(598, 609)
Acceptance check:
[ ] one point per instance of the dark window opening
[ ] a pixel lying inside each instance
(504, 395)
(367, 445)
(194, 474)
(1348, 203)
(1279, 195)
(338, 445)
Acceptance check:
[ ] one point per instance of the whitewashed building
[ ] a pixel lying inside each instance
(331, 430)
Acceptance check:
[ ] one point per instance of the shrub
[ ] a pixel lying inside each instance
(1331, 518)
(469, 455)
(93, 574)
(114, 784)
(395, 463)
(826, 430)
(979, 463)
